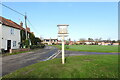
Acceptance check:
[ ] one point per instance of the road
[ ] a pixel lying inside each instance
(77, 53)
(14, 62)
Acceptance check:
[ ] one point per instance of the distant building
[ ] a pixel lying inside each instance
(89, 42)
(59, 42)
(50, 41)
(106, 43)
(115, 44)
(85, 42)
(71, 42)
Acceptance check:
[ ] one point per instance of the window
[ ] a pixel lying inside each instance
(12, 31)
(47, 40)
(14, 43)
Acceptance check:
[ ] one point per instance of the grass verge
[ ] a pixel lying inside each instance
(92, 48)
(85, 66)
(7, 54)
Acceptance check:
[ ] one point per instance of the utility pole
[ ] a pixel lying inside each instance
(26, 26)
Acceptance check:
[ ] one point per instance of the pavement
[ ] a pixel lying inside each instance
(14, 62)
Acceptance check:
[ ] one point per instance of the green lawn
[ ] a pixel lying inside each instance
(92, 48)
(85, 66)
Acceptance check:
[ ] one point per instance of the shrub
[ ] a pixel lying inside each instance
(27, 43)
(67, 47)
(37, 46)
(42, 45)
(2, 51)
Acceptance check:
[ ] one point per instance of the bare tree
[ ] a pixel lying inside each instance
(100, 39)
(82, 39)
(108, 40)
(96, 39)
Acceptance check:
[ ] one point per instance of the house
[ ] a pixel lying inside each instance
(89, 42)
(79, 42)
(71, 43)
(115, 44)
(106, 43)
(50, 41)
(59, 42)
(9, 34)
(99, 43)
(86, 42)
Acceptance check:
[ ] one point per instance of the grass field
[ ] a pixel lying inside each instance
(85, 66)
(92, 48)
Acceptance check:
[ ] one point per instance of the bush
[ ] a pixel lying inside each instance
(26, 43)
(37, 46)
(67, 47)
(42, 45)
(2, 51)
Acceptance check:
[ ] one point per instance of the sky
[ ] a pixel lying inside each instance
(85, 19)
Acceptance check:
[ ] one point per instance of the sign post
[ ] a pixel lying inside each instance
(62, 32)
(63, 58)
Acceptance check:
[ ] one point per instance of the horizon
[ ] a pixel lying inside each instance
(85, 19)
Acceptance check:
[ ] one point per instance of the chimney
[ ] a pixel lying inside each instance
(21, 24)
(28, 29)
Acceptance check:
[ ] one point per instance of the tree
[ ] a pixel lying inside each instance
(118, 41)
(96, 39)
(113, 41)
(82, 39)
(100, 39)
(90, 39)
(23, 38)
(32, 38)
(108, 40)
(37, 41)
(23, 35)
(74, 41)
(69, 39)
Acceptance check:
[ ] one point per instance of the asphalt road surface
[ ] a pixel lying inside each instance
(78, 53)
(14, 62)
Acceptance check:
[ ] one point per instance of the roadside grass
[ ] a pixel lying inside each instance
(92, 48)
(85, 66)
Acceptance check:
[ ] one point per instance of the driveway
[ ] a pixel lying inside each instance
(14, 62)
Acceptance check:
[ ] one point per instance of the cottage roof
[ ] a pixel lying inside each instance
(10, 23)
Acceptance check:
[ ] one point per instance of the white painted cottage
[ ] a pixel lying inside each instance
(9, 34)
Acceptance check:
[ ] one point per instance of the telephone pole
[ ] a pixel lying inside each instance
(26, 26)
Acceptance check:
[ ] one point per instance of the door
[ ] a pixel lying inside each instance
(8, 45)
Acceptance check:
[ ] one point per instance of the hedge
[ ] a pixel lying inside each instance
(37, 46)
